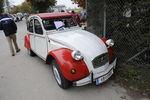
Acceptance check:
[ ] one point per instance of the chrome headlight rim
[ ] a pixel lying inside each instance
(77, 55)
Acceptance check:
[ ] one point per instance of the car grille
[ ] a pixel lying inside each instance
(100, 60)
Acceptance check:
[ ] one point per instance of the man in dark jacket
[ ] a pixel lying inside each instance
(10, 28)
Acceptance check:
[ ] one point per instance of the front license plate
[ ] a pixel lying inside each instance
(103, 78)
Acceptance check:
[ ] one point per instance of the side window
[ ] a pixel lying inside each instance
(49, 24)
(30, 26)
(38, 27)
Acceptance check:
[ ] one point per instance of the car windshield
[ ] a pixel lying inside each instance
(57, 23)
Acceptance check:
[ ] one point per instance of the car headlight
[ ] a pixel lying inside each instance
(110, 43)
(77, 55)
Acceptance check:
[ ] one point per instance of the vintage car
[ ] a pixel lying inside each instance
(77, 57)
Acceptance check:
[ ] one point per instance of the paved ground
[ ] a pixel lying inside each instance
(28, 78)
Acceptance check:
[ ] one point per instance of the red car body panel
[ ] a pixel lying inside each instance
(27, 41)
(66, 63)
(110, 50)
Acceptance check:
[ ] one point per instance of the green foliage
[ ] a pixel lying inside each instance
(133, 78)
(15, 10)
(41, 5)
(25, 7)
(132, 74)
(123, 97)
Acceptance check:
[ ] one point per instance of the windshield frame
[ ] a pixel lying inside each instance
(51, 26)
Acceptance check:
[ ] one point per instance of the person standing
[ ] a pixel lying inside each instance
(83, 18)
(10, 28)
(76, 17)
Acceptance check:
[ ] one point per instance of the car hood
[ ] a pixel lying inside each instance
(87, 43)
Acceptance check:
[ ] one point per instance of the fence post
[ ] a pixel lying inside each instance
(104, 34)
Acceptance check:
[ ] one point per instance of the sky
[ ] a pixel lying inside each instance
(16, 2)
(67, 3)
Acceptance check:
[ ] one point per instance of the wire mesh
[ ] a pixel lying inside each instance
(128, 23)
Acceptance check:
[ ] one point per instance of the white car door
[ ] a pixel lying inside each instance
(32, 34)
(40, 40)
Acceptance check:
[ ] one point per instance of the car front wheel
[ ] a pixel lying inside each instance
(60, 79)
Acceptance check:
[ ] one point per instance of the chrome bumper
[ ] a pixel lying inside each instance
(90, 79)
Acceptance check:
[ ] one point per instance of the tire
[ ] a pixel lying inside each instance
(60, 79)
(31, 53)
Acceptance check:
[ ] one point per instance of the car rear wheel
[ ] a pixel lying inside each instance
(31, 53)
(60, 79)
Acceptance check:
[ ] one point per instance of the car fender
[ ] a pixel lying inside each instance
(110, 50)
(27, 42)
(66, 63)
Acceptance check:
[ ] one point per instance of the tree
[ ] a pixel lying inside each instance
(25, 7)
(41, 5)
(1, 6)
(15, 10)
(81, 3)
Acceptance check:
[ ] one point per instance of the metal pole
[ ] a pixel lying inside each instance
(104, 34)
(5, 6)
(137, 54)
(86, 4)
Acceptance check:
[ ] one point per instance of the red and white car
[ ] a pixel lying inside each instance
(78, 57)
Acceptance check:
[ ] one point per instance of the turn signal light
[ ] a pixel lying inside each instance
(73, 71)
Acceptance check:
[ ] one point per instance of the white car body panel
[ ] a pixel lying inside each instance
(88, 44)
(32, 42)
(42, 48)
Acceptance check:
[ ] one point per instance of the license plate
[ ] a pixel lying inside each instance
(103, 78)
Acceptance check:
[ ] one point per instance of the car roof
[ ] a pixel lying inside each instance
(53, 15)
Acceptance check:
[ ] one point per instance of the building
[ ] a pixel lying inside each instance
(59, 8)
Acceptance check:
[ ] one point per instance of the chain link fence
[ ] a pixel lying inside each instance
(128, 23)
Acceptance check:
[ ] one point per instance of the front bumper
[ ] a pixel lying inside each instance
(93, 77)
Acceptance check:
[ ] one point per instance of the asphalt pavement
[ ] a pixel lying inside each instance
(28, 78)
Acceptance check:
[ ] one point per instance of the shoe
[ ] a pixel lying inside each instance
(18, 50)
(13, 54)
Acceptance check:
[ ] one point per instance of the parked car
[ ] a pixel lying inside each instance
(13, 17)
(78, 57)
(20, 16)
(16, 19)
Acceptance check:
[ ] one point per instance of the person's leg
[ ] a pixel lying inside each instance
(15, 42)
(10, 45)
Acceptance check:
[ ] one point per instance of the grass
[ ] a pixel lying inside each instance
(132, 78)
